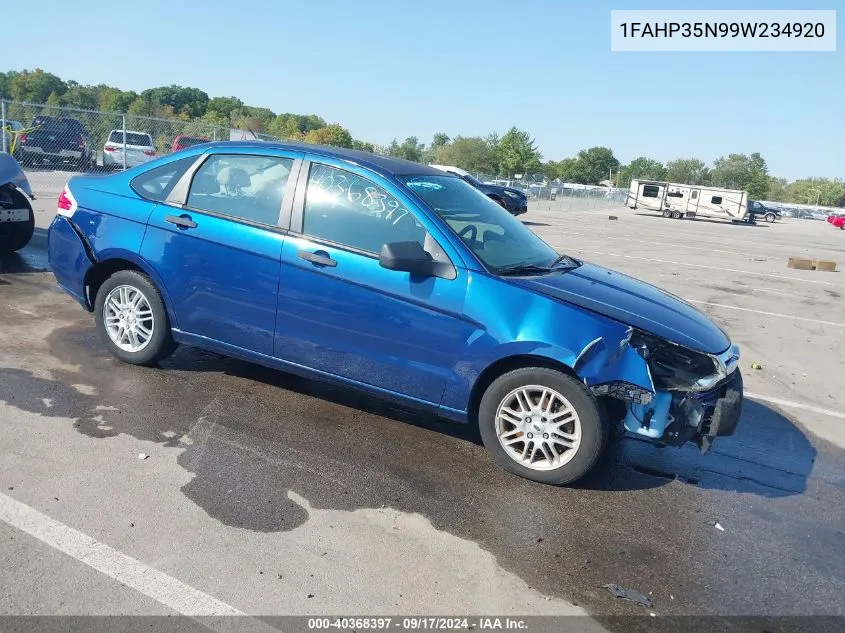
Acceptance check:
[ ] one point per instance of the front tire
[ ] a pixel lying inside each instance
(770, 217)
(132, 320)
(543, 425)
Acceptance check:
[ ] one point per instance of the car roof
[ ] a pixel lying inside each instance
(388, 165)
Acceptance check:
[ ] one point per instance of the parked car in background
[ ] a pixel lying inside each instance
(838, 221)
(139, 149)
(397, 279)
(512, 199)
(57, 140)
(761, 211)
(183, 142)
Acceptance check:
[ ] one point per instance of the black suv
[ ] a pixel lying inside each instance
(57, 140)
(760, 210)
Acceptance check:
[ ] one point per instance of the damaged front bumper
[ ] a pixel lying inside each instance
(676, 417)
(664, 392)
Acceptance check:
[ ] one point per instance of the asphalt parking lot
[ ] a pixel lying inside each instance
(267, 494)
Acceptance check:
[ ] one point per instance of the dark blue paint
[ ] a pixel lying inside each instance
(242, 290)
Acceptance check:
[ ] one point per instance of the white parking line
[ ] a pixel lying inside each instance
(796, 405)
(151, 582)
(774, 314)
(729, 270)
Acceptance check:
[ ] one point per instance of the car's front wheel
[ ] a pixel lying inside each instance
(770, 217)
(132, 319)
(542, 424)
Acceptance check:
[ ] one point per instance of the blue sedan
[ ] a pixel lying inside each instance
(395, 278)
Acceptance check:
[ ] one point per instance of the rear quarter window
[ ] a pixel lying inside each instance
(157, 183)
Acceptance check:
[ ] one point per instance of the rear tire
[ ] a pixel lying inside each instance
(667, 214)
(138, 335)
(574, 444)
(770, 217)
(15, 235)
(677, 215)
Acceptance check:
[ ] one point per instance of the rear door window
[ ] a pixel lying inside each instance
(246, 187)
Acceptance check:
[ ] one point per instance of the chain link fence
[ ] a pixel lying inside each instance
(51, 142)
(566, 195)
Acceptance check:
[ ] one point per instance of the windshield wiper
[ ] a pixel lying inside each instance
(523, 269)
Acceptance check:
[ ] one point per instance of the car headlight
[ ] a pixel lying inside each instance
(512, 195)
(677, 368)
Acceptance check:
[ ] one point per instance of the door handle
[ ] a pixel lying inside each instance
(316, 258)
(182, 221)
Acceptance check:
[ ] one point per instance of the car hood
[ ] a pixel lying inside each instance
(632, 302)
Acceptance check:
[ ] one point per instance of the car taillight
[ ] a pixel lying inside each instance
(23, 138)
(110, 148)
(66, 204)
(150, 152)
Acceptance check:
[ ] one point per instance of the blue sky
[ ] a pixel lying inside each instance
(393, 69)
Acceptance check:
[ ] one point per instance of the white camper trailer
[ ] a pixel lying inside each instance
(675, 200)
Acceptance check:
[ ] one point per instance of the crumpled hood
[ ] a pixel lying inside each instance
(632, 302)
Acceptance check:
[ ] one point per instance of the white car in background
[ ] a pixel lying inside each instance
(139, 149)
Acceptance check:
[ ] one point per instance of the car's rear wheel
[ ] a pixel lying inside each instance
(677, 215)
(132, 319)
(667, 214)
(542, 425)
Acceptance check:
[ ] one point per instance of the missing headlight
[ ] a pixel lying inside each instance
(674, 367)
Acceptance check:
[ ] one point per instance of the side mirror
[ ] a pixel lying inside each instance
(409, 257)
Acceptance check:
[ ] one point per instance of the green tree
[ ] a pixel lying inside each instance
(472, 153)
(641, 168)
(114, 100)
(517, 153)
(223, 107)
(190, 101)
(592, 166)
(333, 134)
(828, 192)
(439, 140)
(35, 86)
(738, 171)
(410, 149)
(688, 171)
(363, 146)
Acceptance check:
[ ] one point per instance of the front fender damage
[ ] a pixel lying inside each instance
(614, 370)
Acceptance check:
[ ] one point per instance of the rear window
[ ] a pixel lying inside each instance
(189, 141)
(131, 138)
(157, 183)
(62, 125)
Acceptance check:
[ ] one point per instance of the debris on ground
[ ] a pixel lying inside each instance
(142, 456)
(756, 366)
(627, 594)
(717, 525)
(612, 217)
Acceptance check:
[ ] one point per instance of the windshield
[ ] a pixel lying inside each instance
(497, 238)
